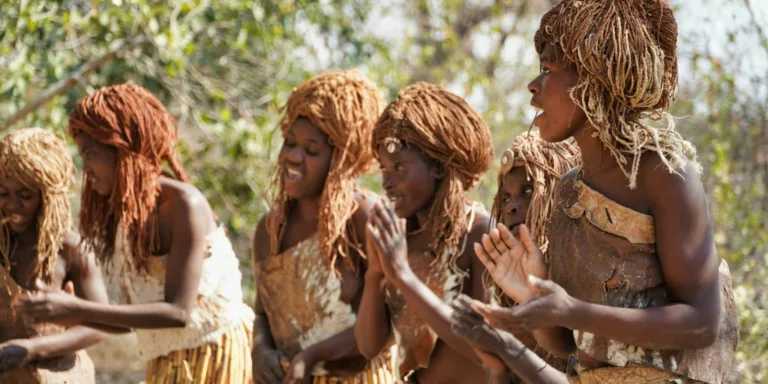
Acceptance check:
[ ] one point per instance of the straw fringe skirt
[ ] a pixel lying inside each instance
(380, 371)
(226, 362)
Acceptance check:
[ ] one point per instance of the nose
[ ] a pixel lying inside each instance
(387, 181)
(294, 155)
(512, 206)
(535, 85)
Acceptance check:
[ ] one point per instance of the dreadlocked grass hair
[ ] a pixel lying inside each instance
(39, 160)
(343, 104)
(625, 52)
(544, 164)
(445, 128)
(130, 119)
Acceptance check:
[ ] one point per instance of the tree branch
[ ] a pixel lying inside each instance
(70, 81)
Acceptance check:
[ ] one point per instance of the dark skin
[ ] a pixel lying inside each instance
(183, 213)
(306, 156)
(516, 194)
(75, 272)
(411, 179)
(684, 240)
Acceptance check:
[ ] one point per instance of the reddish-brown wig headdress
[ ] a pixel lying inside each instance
(134, 122)
(446, 128)
(343, 104)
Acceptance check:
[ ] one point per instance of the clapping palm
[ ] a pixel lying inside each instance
(510, 261)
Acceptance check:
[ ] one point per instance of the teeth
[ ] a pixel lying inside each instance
(293, 172)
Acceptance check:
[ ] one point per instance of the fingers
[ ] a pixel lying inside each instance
(462, 307)
(527, 239)
(41, 286)
(498, 243)
(544, 286)
(490, 248)
(507, 237)
(375, 234)
(69, 288)
(484, 257)
(387, 225)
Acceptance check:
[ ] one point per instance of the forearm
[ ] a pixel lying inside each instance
(262, 335)
(556, 340)
(107, 328)
(433, 311)
(338, 346)
(372, 326)
(529, 367)
(142, 316)
(676, 326)
(69, 341)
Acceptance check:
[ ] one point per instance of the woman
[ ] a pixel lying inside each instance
(38, 247)
(170, 269)
(308, 249)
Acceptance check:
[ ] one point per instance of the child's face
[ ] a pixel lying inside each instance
(305, 158)
(559, 117)
(410, 179)
(516, 194)
(99, 163)
(20, 203)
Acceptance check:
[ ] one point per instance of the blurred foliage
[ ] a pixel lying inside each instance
(225, 67)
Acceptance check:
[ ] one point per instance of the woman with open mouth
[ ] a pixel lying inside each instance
(309, 248)
(635, 292)
(39, 248)
(432, 148)
(170, 270)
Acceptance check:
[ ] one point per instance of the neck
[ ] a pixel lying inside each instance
(26, 238)
(308, 209)
(595, 158)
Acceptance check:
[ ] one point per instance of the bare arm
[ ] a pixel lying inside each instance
(372, 328)
(190, 225)
(84, 275)
(689, 262)
(430, 307)
(266, 359)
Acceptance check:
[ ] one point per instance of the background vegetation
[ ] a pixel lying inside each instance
(224, 67)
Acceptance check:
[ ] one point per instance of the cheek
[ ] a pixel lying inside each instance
(31, 206)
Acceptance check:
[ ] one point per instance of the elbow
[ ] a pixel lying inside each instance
(706, 335)
(179, 318)
(706, 332)
(368, 351)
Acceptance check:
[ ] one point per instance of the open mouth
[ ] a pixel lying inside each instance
(395, 199)
(293, 174)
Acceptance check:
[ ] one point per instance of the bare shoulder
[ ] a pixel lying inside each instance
(666, 188)
(480, 226)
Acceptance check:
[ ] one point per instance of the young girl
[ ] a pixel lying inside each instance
(307, 249)
(432, 148)
(170, 268)
(636, 294)
(528, 176)
(36, 243)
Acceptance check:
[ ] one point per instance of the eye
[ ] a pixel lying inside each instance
(289, 143)
(545, 70)
(528, 190)
(399, 167)
(505, 199)
(312, 151)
